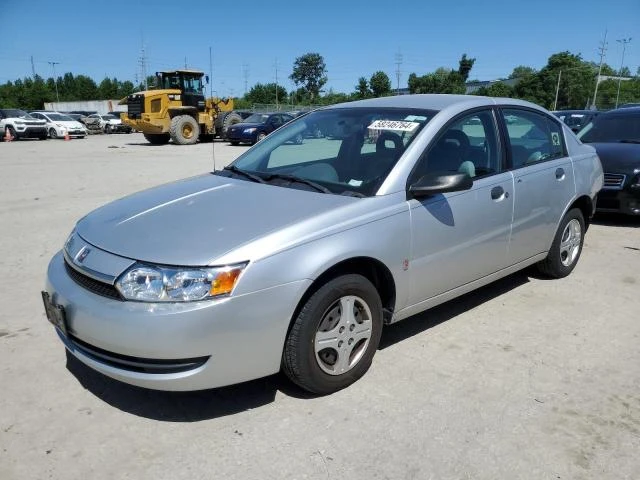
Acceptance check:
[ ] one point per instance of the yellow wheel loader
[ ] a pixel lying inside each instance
(178, 110)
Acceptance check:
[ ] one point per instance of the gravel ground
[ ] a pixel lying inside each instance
(524, 379)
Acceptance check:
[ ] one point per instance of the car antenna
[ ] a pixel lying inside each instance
(213, 139)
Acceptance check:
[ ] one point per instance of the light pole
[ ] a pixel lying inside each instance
(624, 42)
(555, 102)
(55, 80)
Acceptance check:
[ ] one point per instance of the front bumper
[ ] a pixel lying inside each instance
(30, 131)
(625, 201)
(210, 344)
(240, 136)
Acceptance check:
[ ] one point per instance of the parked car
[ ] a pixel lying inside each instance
(616, 137)
(576, 119)
(319, 246)
(59, 125)
(111, 123)
(257, 126)
(20, 124)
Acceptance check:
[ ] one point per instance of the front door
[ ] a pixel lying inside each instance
(460, 237)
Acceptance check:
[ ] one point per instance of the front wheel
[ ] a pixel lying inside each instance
(53, 133)
(184, 130)
(566, 247)
(261, 136)
(334, 336)
(107, 128)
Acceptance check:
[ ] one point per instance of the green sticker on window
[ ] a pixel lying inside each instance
(555, 138)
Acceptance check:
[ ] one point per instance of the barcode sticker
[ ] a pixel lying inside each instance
(397, 125)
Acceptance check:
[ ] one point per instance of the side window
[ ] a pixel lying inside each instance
(468, 145)
(533, 137)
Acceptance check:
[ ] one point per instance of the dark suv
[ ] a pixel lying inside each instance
(616, 137)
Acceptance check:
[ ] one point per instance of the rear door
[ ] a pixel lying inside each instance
(543, 176)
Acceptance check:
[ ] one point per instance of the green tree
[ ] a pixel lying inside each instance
(362, 89)
(497, 89)
(465, 66)
(380, 84)
(522, 71)
(266, 93)
(309, 71)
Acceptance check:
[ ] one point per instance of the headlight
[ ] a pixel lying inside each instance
(147, 283)
(249, 130)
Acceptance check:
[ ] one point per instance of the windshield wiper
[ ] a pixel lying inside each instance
(250, 176)
(293, 178)
(629, 141)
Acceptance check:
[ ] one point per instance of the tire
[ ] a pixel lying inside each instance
(107, 129)
(184, 130)
(53, 133)
(350, 341)
(260, 136)
(298, 139)
(566, 247)
(157, 138)
(224, 121)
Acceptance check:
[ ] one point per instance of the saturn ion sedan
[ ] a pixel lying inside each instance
(296, 256)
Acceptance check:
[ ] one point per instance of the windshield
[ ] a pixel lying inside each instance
(345, 150)
(15, 113)
(612, 129)
(110, 116)
(256, 118)
(58, 117)
(180, 82)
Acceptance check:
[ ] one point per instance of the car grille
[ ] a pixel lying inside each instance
(135, 106)
(613, 181)
(91, 284)
(136, 364)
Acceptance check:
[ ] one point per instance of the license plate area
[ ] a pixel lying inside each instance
(55, 313)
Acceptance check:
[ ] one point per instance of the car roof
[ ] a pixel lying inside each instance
(631, 111)
(435, 101)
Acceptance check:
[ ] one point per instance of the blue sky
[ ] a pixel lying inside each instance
(104, 38)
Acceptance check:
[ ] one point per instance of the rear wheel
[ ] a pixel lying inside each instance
(184, 130)
(53, 133)
(334, 336)
(566, 247)
(157, 138)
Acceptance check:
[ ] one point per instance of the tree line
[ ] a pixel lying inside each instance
(566, 81)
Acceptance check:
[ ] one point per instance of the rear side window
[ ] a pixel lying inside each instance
(533, 137)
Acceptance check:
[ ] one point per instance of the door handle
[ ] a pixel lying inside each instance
(497, 193)
(560, 174)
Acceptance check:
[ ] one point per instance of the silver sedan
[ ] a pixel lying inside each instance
(388, 207)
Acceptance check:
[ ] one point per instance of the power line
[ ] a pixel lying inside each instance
(245, 74)
(624, 42)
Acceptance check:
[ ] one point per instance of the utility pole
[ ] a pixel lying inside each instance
(277, 84)
(33, 68)
(603, 50)
(555, 102)
(142, 61)
(398, 63)
(624, 42)
(185, 63)
(245, 74)
(55, 80)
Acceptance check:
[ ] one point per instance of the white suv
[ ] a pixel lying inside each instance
(19, 124)
(59, 125)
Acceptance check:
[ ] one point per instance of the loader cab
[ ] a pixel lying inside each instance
(189, 82)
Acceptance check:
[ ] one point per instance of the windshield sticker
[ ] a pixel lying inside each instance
(555, 138)
(355, 183)
(398, 125)
(415, 118)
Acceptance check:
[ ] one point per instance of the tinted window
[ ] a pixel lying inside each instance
(612, 128)
(533, 137)
(468, 145)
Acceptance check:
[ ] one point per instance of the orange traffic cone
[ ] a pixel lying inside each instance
(66, 136)
(7, 136)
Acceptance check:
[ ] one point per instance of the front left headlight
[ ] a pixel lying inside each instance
(249, 130)
(150, 283)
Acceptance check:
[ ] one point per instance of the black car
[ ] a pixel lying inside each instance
(576, 119)
(256, 127)
(616, 137)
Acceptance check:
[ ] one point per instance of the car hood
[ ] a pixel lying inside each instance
(618, 157)
(194, 221)
(247, 125)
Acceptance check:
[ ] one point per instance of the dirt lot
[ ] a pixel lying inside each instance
(527, 378)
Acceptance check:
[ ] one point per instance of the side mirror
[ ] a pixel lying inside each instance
(435, 183)
(206, 78)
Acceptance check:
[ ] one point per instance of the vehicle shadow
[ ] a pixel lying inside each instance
(433, 317)
(616, 220)
(180, 406)
(220, 402)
